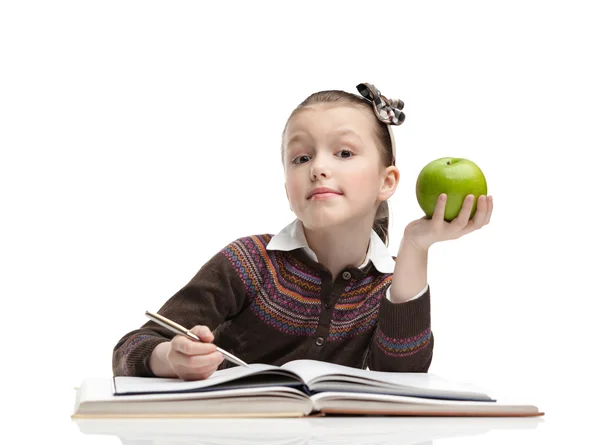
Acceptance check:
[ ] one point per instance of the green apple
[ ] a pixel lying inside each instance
(457, 178)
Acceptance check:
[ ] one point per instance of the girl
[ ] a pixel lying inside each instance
(325, 287)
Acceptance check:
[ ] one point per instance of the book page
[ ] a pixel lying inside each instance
(318, 374)
(239, 376)
(380, 403)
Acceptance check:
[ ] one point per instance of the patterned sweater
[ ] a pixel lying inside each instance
(272, 306)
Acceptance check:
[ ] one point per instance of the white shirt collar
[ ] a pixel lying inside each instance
(292, 237)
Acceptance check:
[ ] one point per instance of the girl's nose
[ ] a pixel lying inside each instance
(320, 168)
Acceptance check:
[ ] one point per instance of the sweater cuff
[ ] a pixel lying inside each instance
(136, 356)
(388, 293)
(408, 319)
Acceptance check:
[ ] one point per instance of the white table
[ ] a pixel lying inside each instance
(333, 430)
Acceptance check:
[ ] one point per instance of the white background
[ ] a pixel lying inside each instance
(139, 138)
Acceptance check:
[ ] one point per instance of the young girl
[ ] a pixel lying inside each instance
(325, 287)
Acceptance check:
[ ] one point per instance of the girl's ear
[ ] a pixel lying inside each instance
(390, 182)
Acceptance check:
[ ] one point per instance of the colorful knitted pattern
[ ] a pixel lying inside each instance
(285, 293)
(405, 346)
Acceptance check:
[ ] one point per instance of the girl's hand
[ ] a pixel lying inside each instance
(185, 358)
(424, 232)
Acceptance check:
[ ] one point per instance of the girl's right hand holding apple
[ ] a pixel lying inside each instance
(185, 358)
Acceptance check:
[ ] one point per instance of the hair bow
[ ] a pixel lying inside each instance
(388, 111)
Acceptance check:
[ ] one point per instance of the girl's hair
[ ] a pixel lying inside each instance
(381, 135)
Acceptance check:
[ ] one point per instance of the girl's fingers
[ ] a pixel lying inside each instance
(202, 362)
(462, 219)
(490, 207)
(203, 333)
(481, 213)
(191, 347)
(440, 208)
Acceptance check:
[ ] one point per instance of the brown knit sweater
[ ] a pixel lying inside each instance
(271, 306)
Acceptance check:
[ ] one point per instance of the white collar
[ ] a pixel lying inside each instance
(292, 237)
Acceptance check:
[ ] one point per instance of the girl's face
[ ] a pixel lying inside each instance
(333, 147)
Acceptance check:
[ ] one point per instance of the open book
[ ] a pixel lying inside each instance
(296, 389)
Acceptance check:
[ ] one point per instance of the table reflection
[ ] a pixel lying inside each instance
(318, 430)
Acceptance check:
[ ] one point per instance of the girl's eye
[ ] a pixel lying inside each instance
(295, 161)
(299, 157)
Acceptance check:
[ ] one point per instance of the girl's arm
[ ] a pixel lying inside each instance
(402, 341)
(410, 273)
(215, 294)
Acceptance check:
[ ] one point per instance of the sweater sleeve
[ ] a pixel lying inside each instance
(214, 295)
(403, 341)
